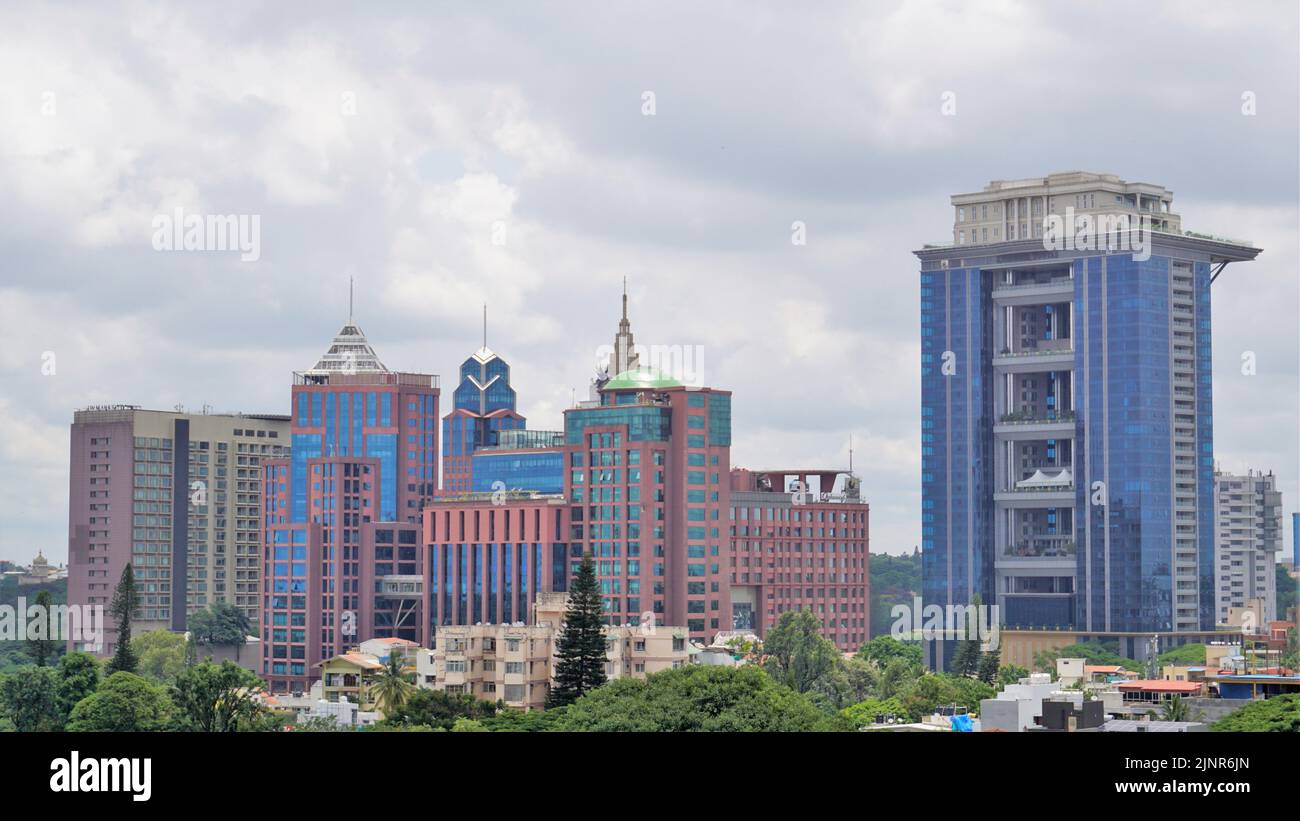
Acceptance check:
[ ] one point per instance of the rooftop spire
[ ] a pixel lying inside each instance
(349, 300)
(484, 324)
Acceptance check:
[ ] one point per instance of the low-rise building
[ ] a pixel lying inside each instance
(514, 663)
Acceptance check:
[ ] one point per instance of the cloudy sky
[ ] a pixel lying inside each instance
(386, 146)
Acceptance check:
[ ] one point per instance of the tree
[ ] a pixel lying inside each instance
(78, 678)
(125, 703)
(30, 699)
(220, 624)
(1011, 673)
(798, 655)
(1279, 714)
(40, 644)
(966, 661)
(864, 713)
(221, 698)
(520, 721)
(392, 684)
(438, 709)
(697, 698)
(988, 668)
(160, 654)
(468, 725)
(122, 609)
(1176, 709)
(884, 649)
(580, 654)
(1186, 654)
(896, 678)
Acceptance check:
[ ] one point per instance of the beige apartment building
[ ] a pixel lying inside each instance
(1009, 210)
(514, 662)
(179, 496)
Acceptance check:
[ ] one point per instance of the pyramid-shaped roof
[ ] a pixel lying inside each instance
(349, 353)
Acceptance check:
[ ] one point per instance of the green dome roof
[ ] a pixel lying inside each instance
(641, 378)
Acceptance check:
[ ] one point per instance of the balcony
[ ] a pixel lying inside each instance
(1060, 289)
(1047, 355)
(1048, 425)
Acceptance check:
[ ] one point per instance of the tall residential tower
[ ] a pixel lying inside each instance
(1066, 419)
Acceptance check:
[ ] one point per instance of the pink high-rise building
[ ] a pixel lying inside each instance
(647, 479)
(799, 541)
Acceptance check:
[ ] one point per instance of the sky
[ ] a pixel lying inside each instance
(531, 156)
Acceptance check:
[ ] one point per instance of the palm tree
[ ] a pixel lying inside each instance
(1175, 709)
(392, 684)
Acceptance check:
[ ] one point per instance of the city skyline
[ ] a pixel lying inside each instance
(695, 204)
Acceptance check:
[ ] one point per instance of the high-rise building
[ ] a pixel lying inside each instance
(1248, 537)
(483, 405)
(648, 482)
(1067, 441)
(178, 495)
(1295, 541)
(799, 541)
(364, 454)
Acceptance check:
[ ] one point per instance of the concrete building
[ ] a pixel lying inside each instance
(38, 572)
(1247, 541)
(364, 464)
(1008, 210)
(515, 663)
(178, 495)
(1067, 439)
(799, 540)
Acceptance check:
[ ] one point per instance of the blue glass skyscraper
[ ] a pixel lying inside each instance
(1066, 414)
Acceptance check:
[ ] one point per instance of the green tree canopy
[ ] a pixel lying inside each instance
(223, 698)
(1279, 714)
(78, 678)
(1187, 654)
(798, 655)
(29, 697)
(884, 649)
(696, 698)
(864, 713)
(160, 654)
(124, 703)
(438, 709)
(221, 624)
(580, 654)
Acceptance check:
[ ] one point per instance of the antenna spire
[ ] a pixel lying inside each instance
(349, 300)
(484, 324)
(624, 298)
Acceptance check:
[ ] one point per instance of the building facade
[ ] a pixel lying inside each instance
(647, 480)
(515, 663)
(483, 405)
(1067, 441)
(799, 541)
(1247, 540)
(364, 452)
(178, 496)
